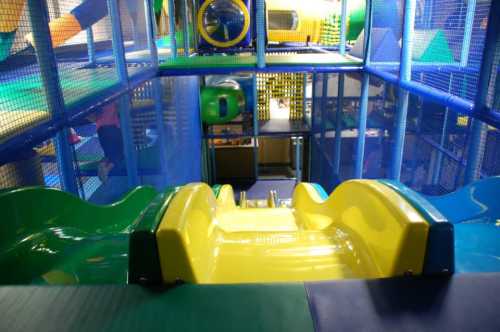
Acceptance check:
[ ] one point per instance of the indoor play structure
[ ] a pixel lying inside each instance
(249, 164)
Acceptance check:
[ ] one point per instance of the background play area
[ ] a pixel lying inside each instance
(197, 141)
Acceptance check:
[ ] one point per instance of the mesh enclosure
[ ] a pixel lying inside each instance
(386, 34)
(436, 148)
(89, 156)
(493, 100)
(163, 40)
(23, 102)
(326, 150)
(448, 45)
(182, 129)
(101, 152)
(31, 167)
(491, 161)
(316, 129)
(81, 36)
(135, 35)
(379, 129)
(282, 87)
(146, 134)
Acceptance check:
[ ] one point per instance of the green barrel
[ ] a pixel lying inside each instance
(221, 104)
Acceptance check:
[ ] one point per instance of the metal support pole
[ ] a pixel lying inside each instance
(124, 102)
(261, 34)
(343, 26)
(405, 76)
(185, 27)
(479, 130)
(363, 117)
(338, 126)
(171, 23)
(469, 23)
(49, 73)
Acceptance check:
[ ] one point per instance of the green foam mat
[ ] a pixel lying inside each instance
(214, 61)
(250, 61)
(280, 307)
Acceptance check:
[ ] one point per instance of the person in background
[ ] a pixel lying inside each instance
(107, 123)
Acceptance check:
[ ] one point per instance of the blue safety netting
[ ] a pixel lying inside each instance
(448, 44)
(133, 18)
(322, 171)
(35, 166)
(23, 103)
(493, 100)
(490, 165)
(386, 34)
(182, 129)
(81, 35)
(379, 139)
(436, 148)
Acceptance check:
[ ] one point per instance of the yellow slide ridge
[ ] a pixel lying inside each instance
(363, 230)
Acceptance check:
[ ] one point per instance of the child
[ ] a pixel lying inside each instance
(110, 138)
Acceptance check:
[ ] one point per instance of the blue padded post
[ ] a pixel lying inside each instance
(343, 26)
(261, 33)
(479, 130)
(171, 26)
(90, 46)
(117, 41)
(407, 43)
(324, 95)
(312, 137)
(49, 73)
(405, 76)
(338, 126)
(255, 126)
(151, 31)
(124, 102)
(469, 23)
(363, 116)
(297, 141)
(185, 27)
(367, 31)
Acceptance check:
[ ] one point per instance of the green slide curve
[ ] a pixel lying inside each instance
(61, 239)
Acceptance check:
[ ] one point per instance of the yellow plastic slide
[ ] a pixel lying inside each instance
(363, 230)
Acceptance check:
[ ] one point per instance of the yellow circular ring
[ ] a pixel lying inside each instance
(230, 43)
